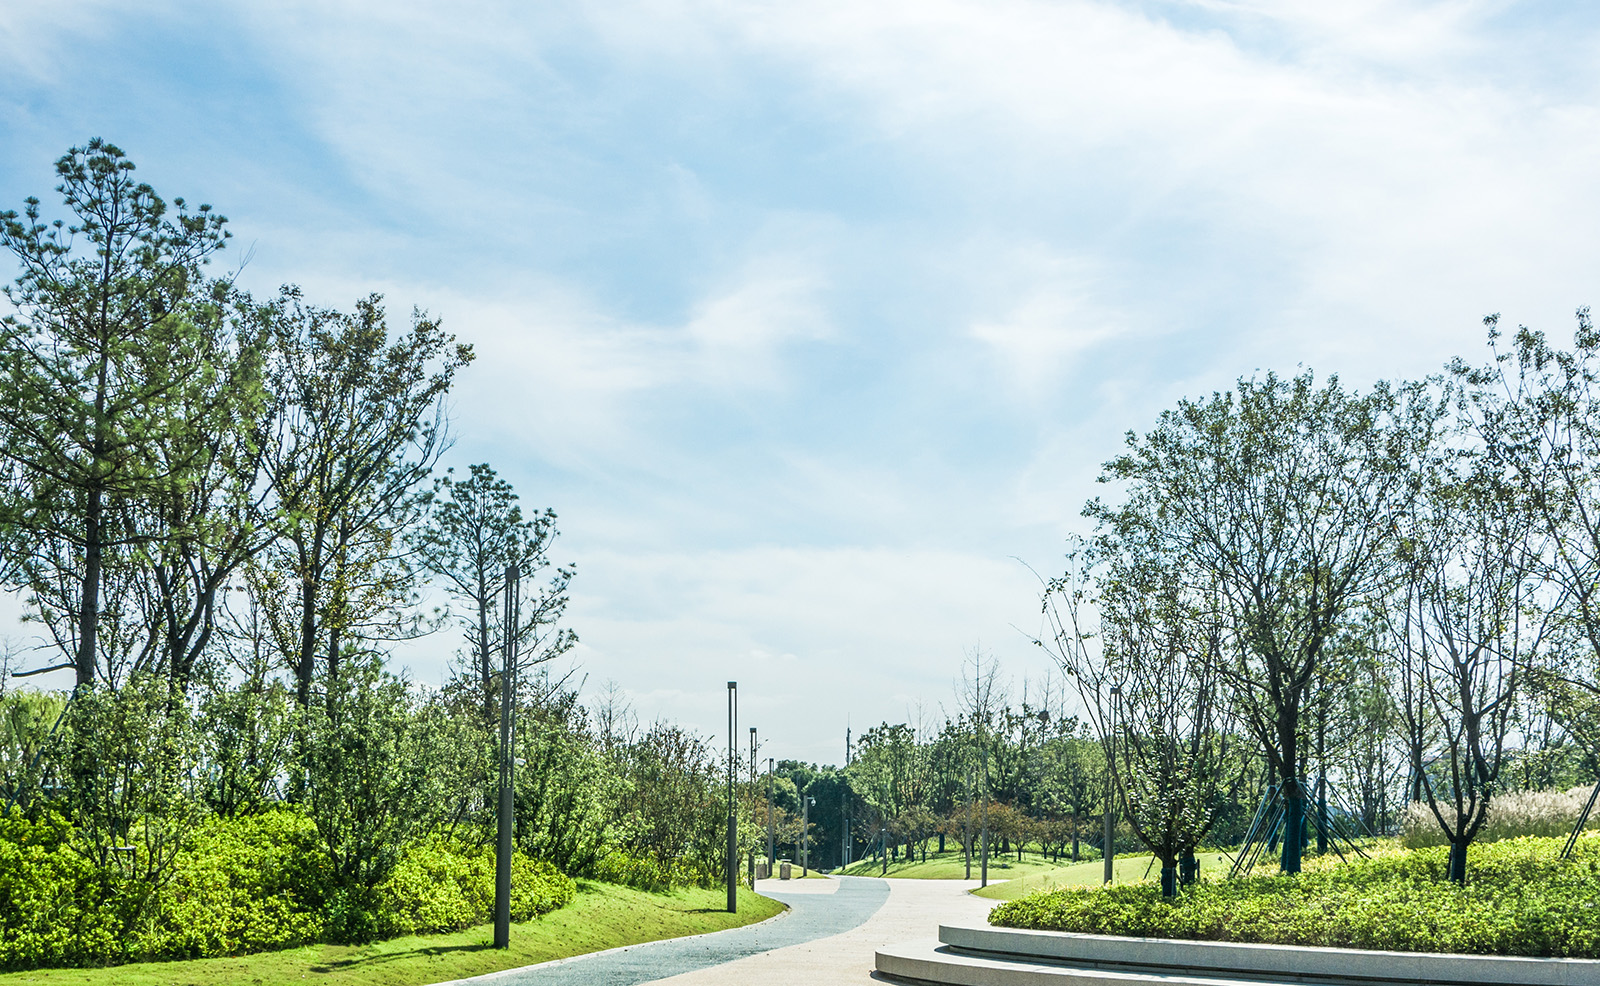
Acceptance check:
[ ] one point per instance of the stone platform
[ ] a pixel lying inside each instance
(986, 956)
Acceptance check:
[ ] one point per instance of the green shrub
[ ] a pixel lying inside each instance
(440, 886)
(646, 873)
(242, 885)
(1520, 900)
(53, 902)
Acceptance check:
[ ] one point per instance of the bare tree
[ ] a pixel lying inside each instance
(1152, 691)
(1468, 619)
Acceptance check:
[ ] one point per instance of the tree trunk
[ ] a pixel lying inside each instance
(1457, 870)
(89, 606)
(1294, 825)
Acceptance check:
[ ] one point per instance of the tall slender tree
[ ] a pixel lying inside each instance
(96, 359)
(476, 532)
(360, 424)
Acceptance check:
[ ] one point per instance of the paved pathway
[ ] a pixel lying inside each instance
(914, 910)
(828, 936)
(817, 909)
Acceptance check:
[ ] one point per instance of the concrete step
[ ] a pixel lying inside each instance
(930, 962)
(988, 956)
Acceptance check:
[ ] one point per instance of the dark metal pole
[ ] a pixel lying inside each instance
(772, 844)
(805, 835)
(966, 824)
(1111, 762)
(507, 821)
(733, 838)
(752, 803)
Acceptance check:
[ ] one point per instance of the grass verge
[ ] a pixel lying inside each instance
(1125, 869)
(601, 916)
(952, 866)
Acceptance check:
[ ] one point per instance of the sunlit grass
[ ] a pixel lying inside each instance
(602, 916)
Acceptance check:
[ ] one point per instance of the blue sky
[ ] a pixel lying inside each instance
(810, 318)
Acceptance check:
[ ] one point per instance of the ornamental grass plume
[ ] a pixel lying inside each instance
(1547, 814)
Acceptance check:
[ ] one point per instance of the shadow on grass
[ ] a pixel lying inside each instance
(427, 951)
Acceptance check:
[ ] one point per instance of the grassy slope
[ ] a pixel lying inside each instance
(1126, 869)
(602, 916)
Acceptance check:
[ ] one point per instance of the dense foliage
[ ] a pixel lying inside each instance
(1521, 900)
(246, 885)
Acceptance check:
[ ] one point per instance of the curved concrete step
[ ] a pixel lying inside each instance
(987, 956)
(929, 962)
(1268, 963)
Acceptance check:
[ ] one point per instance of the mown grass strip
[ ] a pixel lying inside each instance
(602, 916)
(1126, 869)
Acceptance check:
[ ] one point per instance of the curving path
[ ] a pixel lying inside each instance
(818, 909)
(914, 910)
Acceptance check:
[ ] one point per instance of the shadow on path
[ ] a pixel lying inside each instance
(811, 916)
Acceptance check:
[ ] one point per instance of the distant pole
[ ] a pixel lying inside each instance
(507, 821)
(805, 834)
(772, 844)
(844, 803)
(983, 792)
(1111, 765)
(733, 838)
(752, 803)
(966, 824)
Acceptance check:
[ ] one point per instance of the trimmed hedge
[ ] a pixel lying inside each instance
(1520, 900)
(245, 885)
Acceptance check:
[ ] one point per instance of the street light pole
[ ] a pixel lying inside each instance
(507, 820)
(1111, 765)
(805, 835)
(733, 840)
(772, 845)
(752, 803)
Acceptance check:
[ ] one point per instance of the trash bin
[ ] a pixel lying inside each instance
(761, 869)
(783, 870)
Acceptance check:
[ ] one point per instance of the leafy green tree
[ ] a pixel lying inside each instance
(27, 719)
(361, 425)
(246, 733)
(370, 786)
(1535, 409)
(98, 362)
(1282, 496)
(129, 760)
(476, 531)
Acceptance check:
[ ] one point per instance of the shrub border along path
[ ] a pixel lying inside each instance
(1520, 899)
(602, 916)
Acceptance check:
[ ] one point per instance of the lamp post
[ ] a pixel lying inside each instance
(1111, 766)
(805, 835)
(752, 799)
(772, 844)
(733, 839)
(507, 820)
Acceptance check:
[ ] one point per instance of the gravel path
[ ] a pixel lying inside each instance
(817, 909)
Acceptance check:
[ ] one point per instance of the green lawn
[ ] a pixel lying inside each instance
(952, 866)
(1125, 869)
(602, 916)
